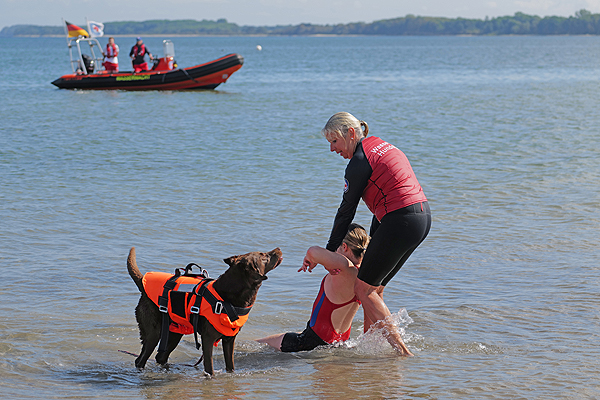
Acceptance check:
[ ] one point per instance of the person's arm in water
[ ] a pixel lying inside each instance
(334, 263)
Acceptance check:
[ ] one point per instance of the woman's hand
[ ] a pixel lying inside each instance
(333, 262)
(311, 259)
(307, 264)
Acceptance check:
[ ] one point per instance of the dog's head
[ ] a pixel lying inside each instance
(256, 264)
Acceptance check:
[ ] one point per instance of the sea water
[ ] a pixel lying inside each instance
(500, 301)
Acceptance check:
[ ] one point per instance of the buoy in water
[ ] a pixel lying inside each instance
(258, 47)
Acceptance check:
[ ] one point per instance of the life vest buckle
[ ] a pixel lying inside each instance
(163, 309)
(195, 310)
(218, 307)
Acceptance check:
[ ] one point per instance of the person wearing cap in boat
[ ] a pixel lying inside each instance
(137, 53)
(111, 62)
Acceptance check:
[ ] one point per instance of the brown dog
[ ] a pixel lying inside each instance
(238, 285)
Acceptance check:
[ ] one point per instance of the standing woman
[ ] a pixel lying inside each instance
(380, 174)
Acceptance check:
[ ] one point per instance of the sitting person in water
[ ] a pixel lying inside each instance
(111, 62)
(335, 305)
(137, 53)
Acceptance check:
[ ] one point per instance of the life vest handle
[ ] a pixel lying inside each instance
(187, 271)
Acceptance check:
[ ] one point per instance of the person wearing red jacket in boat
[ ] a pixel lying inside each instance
(336, 303)
(111, 62)
(137, 53)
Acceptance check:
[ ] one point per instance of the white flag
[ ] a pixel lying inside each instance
(96, 28)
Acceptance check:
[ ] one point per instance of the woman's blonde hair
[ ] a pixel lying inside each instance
(357, 240)
(339, 123)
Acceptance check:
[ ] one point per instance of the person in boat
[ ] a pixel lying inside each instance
(111, 62)
(335, 305)
(137, 53)
(381, 174)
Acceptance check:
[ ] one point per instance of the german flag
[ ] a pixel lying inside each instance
(75, 31)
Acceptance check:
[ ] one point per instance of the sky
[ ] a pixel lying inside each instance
(274, 12)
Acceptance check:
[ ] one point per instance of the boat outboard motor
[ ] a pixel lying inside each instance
(88, 62)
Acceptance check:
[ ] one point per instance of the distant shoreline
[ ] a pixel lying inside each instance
(582, 23)
(315, 35)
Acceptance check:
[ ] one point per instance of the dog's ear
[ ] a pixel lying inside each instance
(231, 260)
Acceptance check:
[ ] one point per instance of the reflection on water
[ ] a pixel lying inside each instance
(342, 379)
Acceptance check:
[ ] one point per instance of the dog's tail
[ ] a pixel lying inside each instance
(134, 271)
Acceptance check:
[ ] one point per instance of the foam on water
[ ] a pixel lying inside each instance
(373, 342)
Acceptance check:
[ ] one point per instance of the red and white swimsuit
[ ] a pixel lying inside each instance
(320, 319)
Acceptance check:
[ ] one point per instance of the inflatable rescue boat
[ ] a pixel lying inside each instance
(88, 72)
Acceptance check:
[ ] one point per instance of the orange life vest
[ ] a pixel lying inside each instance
(182, 300)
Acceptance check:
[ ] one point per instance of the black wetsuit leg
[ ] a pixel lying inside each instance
(305, 341)
(393, 240)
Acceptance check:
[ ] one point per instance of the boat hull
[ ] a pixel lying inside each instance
(203, 76)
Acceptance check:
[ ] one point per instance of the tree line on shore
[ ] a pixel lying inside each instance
(582, 23)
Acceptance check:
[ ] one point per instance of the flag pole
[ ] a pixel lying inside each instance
(66, 32)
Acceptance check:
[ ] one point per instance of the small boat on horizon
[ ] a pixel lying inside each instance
(88, 72)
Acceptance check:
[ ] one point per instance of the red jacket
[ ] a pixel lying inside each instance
(381, 175)
(111, 50)
(393, 184)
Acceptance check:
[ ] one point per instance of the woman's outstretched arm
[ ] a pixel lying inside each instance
(335, 263)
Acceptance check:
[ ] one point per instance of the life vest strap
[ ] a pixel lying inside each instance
(163, 307)
(195, 309)
(218, 306)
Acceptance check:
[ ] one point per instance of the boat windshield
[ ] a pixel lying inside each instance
(168, 48)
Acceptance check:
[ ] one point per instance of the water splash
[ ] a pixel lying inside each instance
(374, 343)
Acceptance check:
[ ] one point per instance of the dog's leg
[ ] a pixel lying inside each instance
(149, 321)
(149, 343)
(228, 345)
(173, 341)
(209, 336)
(207, 352)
